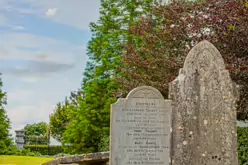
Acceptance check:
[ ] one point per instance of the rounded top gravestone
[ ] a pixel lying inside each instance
(145, 92)
(140, 128)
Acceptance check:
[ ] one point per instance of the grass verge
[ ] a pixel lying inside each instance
(23, 160)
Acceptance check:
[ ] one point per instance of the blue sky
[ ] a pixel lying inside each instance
(42, 54)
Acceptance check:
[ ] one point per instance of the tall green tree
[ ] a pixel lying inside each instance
(5, 137)
(60, 118)
(58, 121)
(90, 125)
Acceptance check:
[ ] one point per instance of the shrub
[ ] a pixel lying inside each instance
(13, 150)
(44, 149)
(104, 144)
(243, 145)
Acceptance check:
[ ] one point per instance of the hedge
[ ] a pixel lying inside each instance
(45, 149)
(243, 145)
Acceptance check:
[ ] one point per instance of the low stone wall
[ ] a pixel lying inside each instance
(99, 158)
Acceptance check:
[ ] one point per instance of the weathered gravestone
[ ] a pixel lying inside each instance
(140, 128)
(204, 115)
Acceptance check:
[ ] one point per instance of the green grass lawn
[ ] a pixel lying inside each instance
(22, 160)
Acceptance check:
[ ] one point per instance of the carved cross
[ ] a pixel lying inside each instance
(146, 94)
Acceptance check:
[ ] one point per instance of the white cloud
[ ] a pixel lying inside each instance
(31, 78)
(19, 95)
(28, 114)
(31, 58)
(75, 13)
(3, 20)
(32, 47)
(21, 111)
(18, 28)
(51, 12)
(30, 103)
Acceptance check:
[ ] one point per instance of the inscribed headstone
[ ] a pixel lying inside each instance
(204, 114)
(140, 128)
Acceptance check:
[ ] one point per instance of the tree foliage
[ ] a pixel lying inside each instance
(36, 129)
(36, 140)
(61, 116)
(243, 145)
(5, 137)
(166, 38)
(90, 124)
(36, 133)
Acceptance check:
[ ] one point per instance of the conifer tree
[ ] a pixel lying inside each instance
(5, 139)
(60, 118)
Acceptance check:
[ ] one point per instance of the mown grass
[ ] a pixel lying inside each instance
(23, 160)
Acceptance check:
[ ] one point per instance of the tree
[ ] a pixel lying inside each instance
(58, 121)
(5, 137)
(61, 116)
(90, 124)
(167, 37)
(36, 133)
(36, 129)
